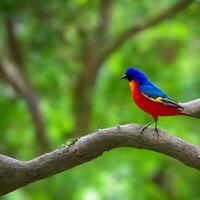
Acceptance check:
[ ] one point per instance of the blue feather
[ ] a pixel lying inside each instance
(148, 89)
(152, 91)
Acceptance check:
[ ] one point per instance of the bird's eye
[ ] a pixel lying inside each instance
(129, 78)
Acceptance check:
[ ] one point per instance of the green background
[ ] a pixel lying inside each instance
(51, 35)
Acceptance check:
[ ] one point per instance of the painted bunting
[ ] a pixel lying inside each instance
(150, 98)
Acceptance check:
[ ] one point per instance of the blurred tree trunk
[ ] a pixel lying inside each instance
(19, 81)
(90, 56)
(83, 93)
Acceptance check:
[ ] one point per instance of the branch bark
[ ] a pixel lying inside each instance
(141, 26)
(192, 107)
(15, 173)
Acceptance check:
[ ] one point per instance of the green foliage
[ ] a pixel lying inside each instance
(51, 49)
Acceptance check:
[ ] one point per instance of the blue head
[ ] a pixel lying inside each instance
(133, 74)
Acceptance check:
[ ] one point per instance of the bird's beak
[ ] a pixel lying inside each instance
(124, 77)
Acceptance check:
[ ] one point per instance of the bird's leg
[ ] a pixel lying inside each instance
(146, 126)
(156, 128)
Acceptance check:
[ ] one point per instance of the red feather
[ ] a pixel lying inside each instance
(153, 108)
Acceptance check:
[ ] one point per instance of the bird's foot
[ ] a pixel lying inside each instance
(145, 127)
(142, 129)
(156, 130)
(118, 126)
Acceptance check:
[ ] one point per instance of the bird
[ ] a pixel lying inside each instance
(149, 98)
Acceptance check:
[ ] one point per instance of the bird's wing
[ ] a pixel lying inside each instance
(153, 93)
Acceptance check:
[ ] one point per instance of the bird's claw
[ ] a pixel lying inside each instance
(156, 130)
(142, 129)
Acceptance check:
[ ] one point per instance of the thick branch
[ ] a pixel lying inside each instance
(15, 173)
(192, 107)
(135, 29)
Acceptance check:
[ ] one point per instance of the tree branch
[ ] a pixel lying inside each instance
(135, 29)
(192, 107)
(15, 173)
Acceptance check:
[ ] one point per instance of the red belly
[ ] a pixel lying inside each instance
(153, 108)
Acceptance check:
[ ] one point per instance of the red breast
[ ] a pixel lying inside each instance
(151, 107)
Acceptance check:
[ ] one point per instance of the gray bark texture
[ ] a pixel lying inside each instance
(15, 173)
